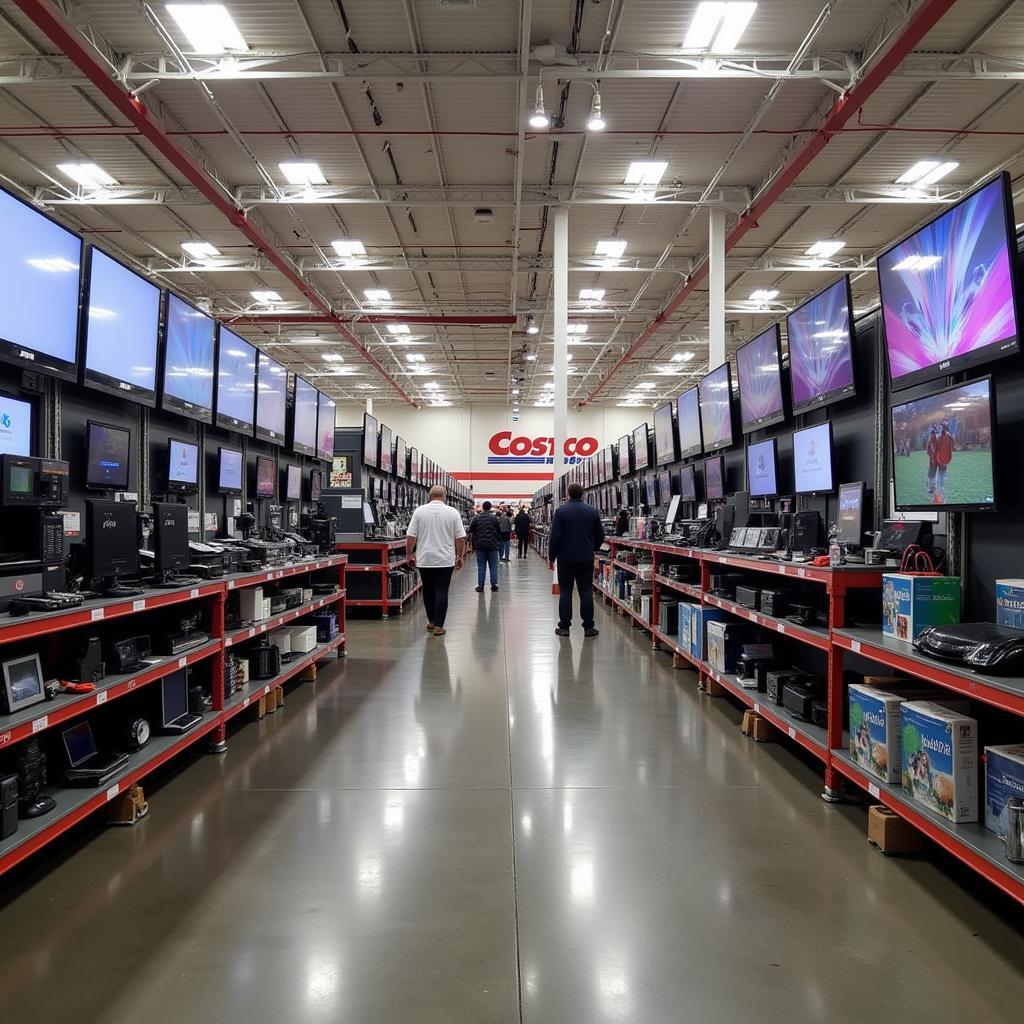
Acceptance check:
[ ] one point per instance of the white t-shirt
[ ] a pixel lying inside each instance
(436, 526)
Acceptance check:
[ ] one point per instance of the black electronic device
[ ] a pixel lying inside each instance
(170, 543)
(778, 679)
(175, 716)
(112, 544)
(126, 655)
(740, 501)
(8, 805)
(264, 661)
(753, 666)
(748, 595)
(89, 666)
(137, 733)
(30, 768)
(53, 601)
(182, 467)
(850, 518)
(184, 637)
(774, 603)
(23, 684)
(86, 765)
(316, 484)
(897, 535)
(805, 532)
(799, 695)
(33, 483)
(724, 584)
(724, 517)
(819, 713)
(802, 613)
(107, 456)
(982, 646)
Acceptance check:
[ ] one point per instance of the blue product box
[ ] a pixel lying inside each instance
(699, 619)
(1010, 603)
(940, 759)
(909, 603)
(1004, 777)
(683, 634)
(875, 731)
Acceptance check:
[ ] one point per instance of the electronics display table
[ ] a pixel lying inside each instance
(369, 563)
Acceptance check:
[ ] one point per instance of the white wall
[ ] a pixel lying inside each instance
(457, 438)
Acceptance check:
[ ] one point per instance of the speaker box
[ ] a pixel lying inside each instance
(806, 531)
(741, 506)
(724, 517)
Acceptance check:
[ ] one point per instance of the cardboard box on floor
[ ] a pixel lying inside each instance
(891, 833)
(757, 727)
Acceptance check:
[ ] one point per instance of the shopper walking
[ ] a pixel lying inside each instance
(522, 525)
(576, 533)
(435, 543)
(505, 528)
(486, 538)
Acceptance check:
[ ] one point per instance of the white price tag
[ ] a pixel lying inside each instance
(252, 633)
(801, 572)
(782, 569)
(194, 592)
(245, 703)
(855, 646)
(182, 662)
(228, 641)
(874, 790)
(266, 690)
(792, 733)
(96, 614)
(780, 626)
(113, 791)
(138, 606)
(101, 698)
(757, 708)
(231, 584)
(40, 724)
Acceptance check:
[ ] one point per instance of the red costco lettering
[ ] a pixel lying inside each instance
(503, 443)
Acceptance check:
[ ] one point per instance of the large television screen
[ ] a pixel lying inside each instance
(715, 392)
(325, 421)
(688, 483)
(759, 369)
(820, 338)
(664, 436)
(371, 440)
(688, 421)
(387, 450)
(812, 459)
(236, 382)
(714, 478)
(942, 449)
(304, 413)
(624, 464)
(16, 427)
(641, 447)
(40, 269)
(400, 458)
(763, 469)
(120, 329)
(949, 290)
(187, 386)
(271, 388)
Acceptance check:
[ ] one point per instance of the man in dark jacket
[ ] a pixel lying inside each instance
(486, 538)
(576, 533)
(523, 524)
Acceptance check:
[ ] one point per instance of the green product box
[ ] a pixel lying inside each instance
(910, 603)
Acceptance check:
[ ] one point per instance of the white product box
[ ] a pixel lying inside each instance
(940, 759)
(303, 639)
(282, 640)
(252, 606)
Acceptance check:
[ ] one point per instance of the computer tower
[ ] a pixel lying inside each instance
(724, 520)
(170, 536)
(111, 538)
(741, 509)
(8, 805)
(806, 531)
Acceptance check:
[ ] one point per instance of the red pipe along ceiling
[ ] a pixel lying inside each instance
(130, 107)
(916, 28)
(375, 318)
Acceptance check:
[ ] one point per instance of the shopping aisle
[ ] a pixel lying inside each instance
(494, 827)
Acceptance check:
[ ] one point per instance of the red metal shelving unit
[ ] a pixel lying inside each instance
(377, 556)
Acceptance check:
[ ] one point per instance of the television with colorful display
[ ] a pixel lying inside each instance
(949, 290)
(715, 393)
(229, 471)
(664, 436)
(820, 337)
(236, 382)
(812, 459)
(387, 450)
(401, 458)
(17, 429)
(271, 389)
(371, 441)
(188, 371)
(641, 446)
(688, 423)
(304, 412)
(664, 487)
(625, 467)
(714, 478)
(182, 466)
(688, 482)
(264, 477)
(942, 449)
(763, 469)
(325, 423)
(759, 370)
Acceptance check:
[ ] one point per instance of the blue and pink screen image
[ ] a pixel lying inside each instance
(715, 409)
(760, 377)
(820, 357)
(188, 362)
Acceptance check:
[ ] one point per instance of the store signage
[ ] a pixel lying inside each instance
(508, 449)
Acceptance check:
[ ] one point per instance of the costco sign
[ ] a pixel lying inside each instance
(507, 449)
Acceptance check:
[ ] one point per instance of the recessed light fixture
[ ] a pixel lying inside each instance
(208, 27)
(591, 294)
(200, 250)
(539, 118)
(596, 121)
(646, 172)
(302, 172)
(266, 296)
(718, 26)
(825, 249)
(398, 328)
(764, 295)
(415, 357)
(332, 357)
(87, 175)
(646, 386)
(376, 295)
(348, 248)
(610, 247)
(927, 172)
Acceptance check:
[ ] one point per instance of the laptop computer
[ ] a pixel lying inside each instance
(86, 765)
(174, 713)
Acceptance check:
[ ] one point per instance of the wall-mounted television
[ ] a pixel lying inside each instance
(182, 466)
(650, 497)
(688, 422)
(812, 459)
(715, 394)
(188, 360)
(401, 458)
(271, 390)
(664, 487)
(414, 466)
(387, 450)
(625, 467)
(763, 469)
(264, 476)
(236, 382)
(17, 426)
(325, 423)
(820, 337)
(107, 456)
(229, 471)
(665, 447)
(714, 478)
(688, 482)
(759, 371)
(641, 446)
(950, 292)
(371, 441)
(305, 403)
(293, 483)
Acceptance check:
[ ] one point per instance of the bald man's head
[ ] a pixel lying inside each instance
(437, 493)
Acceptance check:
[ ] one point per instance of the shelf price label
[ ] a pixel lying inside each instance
(139, 606)
(231, 584)
(780, 626)
(874, 791)
(855, 646)
(182, 662)
(96, 614)
(194, 592)
(101, 698)
(792, 733)
(40, 723)
(113, 791)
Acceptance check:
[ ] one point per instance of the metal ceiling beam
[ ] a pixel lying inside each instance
(916, 26)
(131, 108)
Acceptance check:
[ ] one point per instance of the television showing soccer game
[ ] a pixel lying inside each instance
(716, 408)
(688, 420)
(942, 449)
(759, 369)
(820, 341)
(949, 291)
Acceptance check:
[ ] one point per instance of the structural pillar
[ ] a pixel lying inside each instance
(561, 355)
(716, 287)
(369, 406)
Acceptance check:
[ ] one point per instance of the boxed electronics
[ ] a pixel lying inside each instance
(253, 606)
(773, 602)
(700, 619)
(875, 731)
(909, 603)
(723, 584)
(282, 640)
(264, 661)
(326, 627)
(747, 595)
(683, 635)
(940, 759)
(668, 616)
(1004, 778)
(303, 639)
(1010, 603)
(724, 641)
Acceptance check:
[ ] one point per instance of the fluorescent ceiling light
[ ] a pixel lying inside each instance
(549, 385)
(398, 328)
(612, 247)
(646, 386)
(825, 249)
(682, 357)
(347, 249)
(432, 386)
(764, 295)
(576, 328)
(718, 26)
(266, 296)
(591, 294)
(208, 27)
(927, 172)
(918, 263)
(332, 357)
(939, 172)
(87, 175)
(515, 391)
(531, 357)
(377, 295)
(302, 172)
(646, 172)
(415, 357)
(200, 250)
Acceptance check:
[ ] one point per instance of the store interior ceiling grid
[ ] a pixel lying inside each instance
(445, 79)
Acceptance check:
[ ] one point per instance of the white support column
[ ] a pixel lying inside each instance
(716, 288)
(561, 361)
(369, 406)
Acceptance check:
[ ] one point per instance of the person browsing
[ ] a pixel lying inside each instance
(522, 525)
(576, 534)
(435, 543)
(486, 537)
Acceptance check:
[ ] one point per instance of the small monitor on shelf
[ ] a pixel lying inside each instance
(850, 518)
(182, 467)
(229, 471)
(107, 456)
(264, 477)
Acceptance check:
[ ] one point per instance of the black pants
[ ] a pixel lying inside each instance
(580, 574)
(436, 583)
(524, 543)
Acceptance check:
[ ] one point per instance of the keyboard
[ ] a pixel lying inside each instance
(181, 642)
(55, 601)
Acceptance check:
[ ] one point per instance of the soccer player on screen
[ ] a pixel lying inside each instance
(933, 466)
(943, 457)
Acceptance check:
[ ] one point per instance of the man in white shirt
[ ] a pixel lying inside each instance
(435, 543)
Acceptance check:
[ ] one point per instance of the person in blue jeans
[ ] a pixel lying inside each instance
(576, 534)
(486, 538)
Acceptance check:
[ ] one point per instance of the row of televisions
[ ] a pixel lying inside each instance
(95, 321)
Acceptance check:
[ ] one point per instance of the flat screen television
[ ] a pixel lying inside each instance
(714, 478)
(325, 421)
(950, 292)
(650, 496)
(271, 389)
(763, 469)
(236, 382)
(664, 436)
(624, 463)
(641, 447)
(17, 426)
(401, 458)
(820, 336)
(387, 449)
(688, 482)
(316, 484)
(414, 466)
(229, 471)
(305, 403)
(715, 395)
(943, 449)
(264, 477)
(688, 423)
(182, 467)
(759, 370)
(293, 483)
(850, 517)
(107, 456)
(371, 441)
(40, 270)
(812, 459)
(186, 385)
(120, 329)
(664, 487)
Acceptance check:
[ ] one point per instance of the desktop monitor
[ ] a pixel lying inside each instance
(688, 421)
(759, 370)
(820, 337)
(16, 426)
(120, 329)
(229, 471)
(673, 512)
(641, 447)
(264, 477)
(170, 536)
(39, 280)
(325, 422)
(173, 697)
(188, 372)
(850, 518)
(371, 441)
(271, 401)
(79, 744)
(650, 495)
(688, 483)
(812, 459)
(236, 382)
(665, 443)
(401, 458)
(182, 467)
(316, 484)
(111, 538)
(763, 469)
(664, 487)
(943, 449)
(304, 412)
(714, 478)
(625, 467)
(387, 450)
(23, 681)
(950, 290)
(715, 398)
(107, 456)
(293, 483)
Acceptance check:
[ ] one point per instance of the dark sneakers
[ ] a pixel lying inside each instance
(479, 590)
(493, 587)
(591, 632)
(561, 632)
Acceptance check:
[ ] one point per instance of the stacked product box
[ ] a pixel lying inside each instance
(940, 759)
(683, 632)
(910, 603)
(699, 619)
(724, 642)
(1004, 778)
(1010, 603)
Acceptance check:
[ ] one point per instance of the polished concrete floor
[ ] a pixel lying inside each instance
(495, 827)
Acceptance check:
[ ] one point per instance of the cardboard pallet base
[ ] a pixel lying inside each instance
(127, 808)
(758, 728)
(891, 833)
(713, 689)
